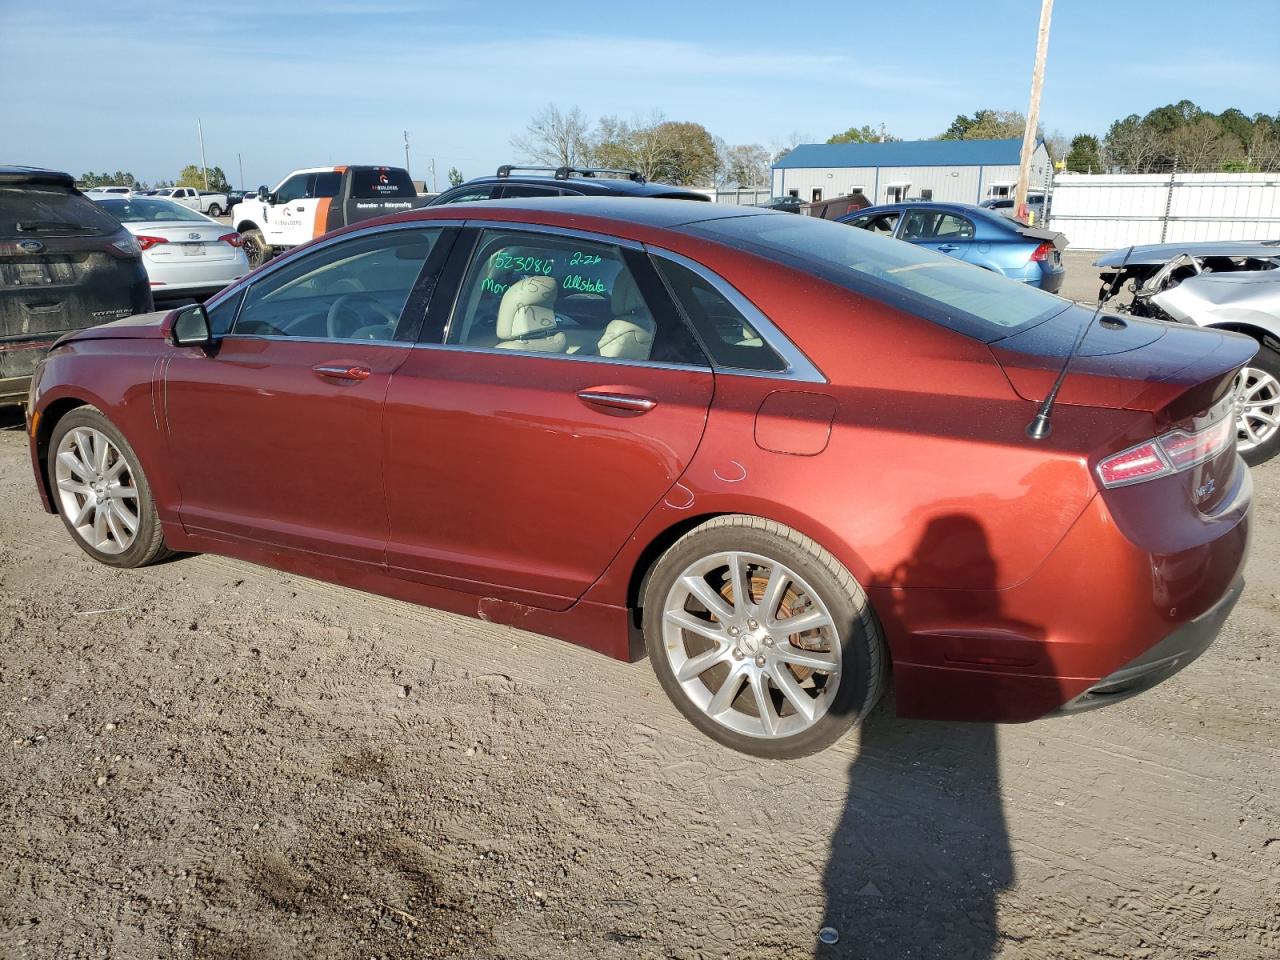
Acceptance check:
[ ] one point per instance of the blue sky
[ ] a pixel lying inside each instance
(93, 86)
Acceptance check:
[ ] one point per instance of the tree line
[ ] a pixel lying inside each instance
(191, 176)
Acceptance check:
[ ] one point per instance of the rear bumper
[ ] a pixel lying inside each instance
(1162, 661)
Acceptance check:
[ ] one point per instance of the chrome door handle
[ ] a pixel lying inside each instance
(340, 372)
(618, 401)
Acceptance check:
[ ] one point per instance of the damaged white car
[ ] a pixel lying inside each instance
(1231, 285)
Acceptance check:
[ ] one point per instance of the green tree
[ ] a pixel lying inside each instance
(747, 165)
(455, 177)
(987, 125)
(193, 176)
(863, 134)
(1085, 155)
(121, 178)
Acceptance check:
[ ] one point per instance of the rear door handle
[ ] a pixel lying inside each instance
(339, 371)
(617, 401)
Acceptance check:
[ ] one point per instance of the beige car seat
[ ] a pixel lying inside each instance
(526, 320)
(629, 336)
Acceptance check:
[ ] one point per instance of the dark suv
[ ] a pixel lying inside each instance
(64, 265)
(561, 182)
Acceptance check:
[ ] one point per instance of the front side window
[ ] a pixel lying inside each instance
(542, 293)
(935, 225)
(354, 290)
(295, 188)
(727, 335)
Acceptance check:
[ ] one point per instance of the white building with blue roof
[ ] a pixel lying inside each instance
(961, 171)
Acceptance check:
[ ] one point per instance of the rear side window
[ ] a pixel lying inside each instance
(725, 333)
(327, 184)
(46, 210)
(946, 291)
(469, 194)
(377, 183)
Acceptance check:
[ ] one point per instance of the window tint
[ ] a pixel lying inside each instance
(326, 184)
(549, 294)
(526, 190)
(724, 331)
(468, 194)
(34, 211)
(353, 290)
(295, 188)
(378, 183)
(975, 302)
(882, 223)
(935, 225)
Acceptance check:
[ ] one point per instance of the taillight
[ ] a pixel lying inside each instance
(128, 247)
(234, 239)
(1042, 252)
(146, 243)
(1168, 454)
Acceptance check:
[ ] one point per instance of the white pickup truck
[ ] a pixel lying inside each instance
(214, 204)
(309, 203)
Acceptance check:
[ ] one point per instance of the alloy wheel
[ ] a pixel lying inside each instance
(96, 490)
(751, 644)
(1257, 395)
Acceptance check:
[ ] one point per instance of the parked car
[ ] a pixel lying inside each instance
(788, 452)
(202, 201)
(109, 191)
(785, 204)
(1036, 206)
(513, 181)
(235, 196)
(837, 207)
(186, 253)
(309, 203)
(1228, 285)
(64, 264)
(1030, 255)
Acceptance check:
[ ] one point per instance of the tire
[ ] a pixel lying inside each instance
(1258, 392)
(215, 210)
(255, 247)
(694, 666)
(90, 477)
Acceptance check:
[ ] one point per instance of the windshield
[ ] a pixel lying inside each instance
(965, 298)
(148, 210)
(46, 210)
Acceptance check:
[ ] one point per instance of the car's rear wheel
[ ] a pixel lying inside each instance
(1258, 407)
(761, 638)
(255, 247)
(215, 210)
(101, 492)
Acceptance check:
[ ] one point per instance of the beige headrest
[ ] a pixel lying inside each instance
(528, 325)
(525, 292)
(626, 298)
(628, 338)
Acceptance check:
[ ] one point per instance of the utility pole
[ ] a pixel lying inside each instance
(406, 152)
(203, 165)
(433, 175)
(241, 163)
(1033, 110)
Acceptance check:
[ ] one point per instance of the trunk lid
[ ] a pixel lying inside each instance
(186, 241)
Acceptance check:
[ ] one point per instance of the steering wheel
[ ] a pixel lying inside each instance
(346, 303)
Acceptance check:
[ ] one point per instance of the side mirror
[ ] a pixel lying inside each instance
(264, 194)
(191, 327)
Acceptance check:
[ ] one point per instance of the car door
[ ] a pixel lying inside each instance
(938, 230)
(276, 433)
(542, 418)
(288, 224)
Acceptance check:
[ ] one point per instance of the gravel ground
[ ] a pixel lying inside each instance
(210, 759)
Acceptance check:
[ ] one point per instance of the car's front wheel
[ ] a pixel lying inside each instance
(761, 638)
(255, 247)
(1258, 407)
(215, 210)
(101, 492)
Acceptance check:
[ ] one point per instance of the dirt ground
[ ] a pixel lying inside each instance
(210, 759)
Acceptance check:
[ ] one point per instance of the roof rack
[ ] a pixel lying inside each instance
(564, 173)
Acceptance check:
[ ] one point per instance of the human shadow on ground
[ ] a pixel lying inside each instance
(921, 852)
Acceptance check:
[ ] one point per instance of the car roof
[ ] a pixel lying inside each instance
(964, 209)
(589, 185)
(659, 212)
(20, 174)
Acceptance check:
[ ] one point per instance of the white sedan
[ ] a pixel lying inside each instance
(186, 253)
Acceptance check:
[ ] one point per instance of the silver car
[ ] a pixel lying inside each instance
(1231, 285)
(186, 253)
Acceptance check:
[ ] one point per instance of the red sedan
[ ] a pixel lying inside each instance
(788, 459)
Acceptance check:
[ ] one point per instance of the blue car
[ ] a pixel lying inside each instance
(972, 234)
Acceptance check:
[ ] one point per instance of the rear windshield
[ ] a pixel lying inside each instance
(46, 210)
(969, 300)
(378, 183)
(148, 209)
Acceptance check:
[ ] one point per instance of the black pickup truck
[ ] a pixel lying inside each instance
(309, 203)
